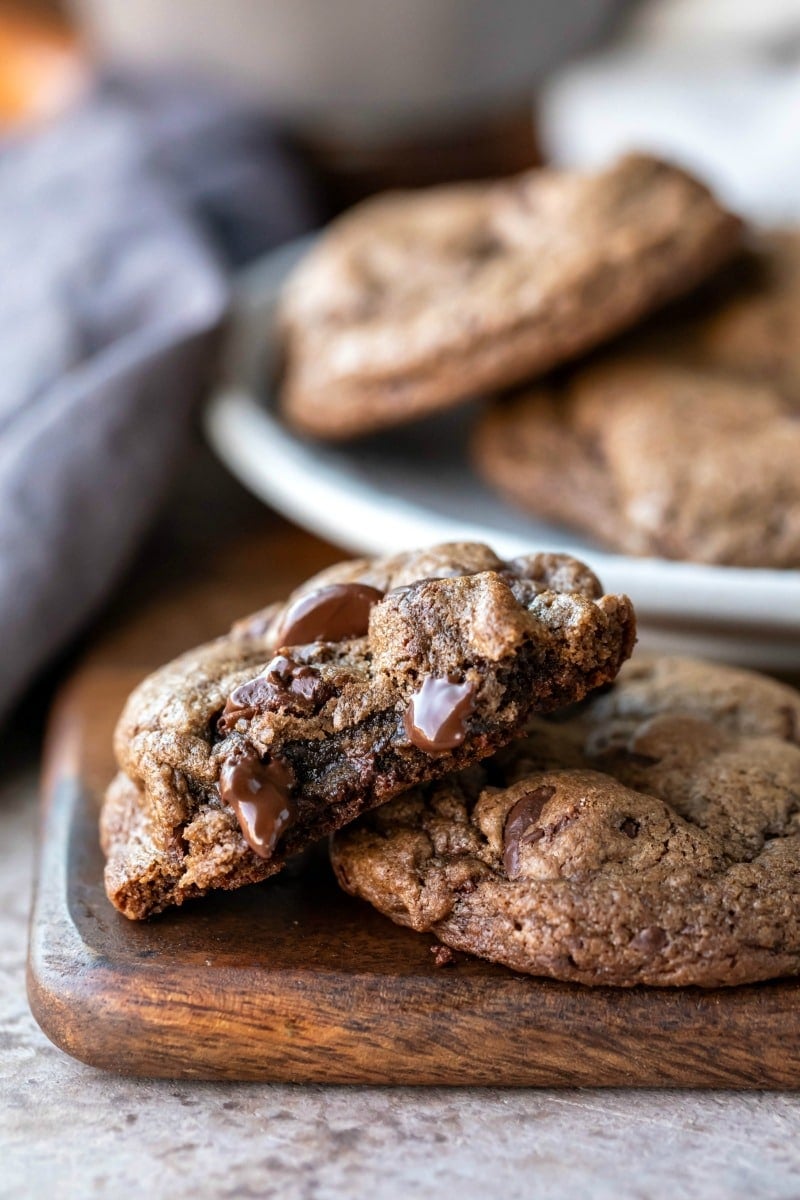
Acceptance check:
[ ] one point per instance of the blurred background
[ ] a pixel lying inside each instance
(151, 148)
(411, 90)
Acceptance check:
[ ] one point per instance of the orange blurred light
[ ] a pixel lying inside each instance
(42, 69)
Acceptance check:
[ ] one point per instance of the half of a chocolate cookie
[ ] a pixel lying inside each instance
(652, 836)
(376, 676)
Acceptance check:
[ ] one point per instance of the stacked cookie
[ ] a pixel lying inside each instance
(374, 677)
(463, 727)
(456, 722)
(679, 441)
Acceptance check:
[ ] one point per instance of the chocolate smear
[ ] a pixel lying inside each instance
(260, 795)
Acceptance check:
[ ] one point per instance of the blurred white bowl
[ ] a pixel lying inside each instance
(353, 64)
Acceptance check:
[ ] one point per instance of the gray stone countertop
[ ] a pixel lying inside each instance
(69, 1131)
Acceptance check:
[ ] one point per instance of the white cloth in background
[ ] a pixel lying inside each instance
(712, 84)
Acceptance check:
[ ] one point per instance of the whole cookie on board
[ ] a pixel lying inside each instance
(652, 837)
(654, 457)
(375, 676)
(414, 302)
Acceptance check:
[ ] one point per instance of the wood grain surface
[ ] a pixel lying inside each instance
(291, 979)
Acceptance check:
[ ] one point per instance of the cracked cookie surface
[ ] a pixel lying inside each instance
(376, 675)
(652, 835)
(414, 302)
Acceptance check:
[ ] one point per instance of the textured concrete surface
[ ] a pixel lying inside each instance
(69, 1131)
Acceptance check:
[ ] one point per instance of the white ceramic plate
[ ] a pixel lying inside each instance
(414, 486)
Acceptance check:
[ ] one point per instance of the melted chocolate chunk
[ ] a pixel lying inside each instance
(521, 826)
(403, 588)
(296, 687)
(260, 795)
(435, 719)
(244, 702)
(329, 614)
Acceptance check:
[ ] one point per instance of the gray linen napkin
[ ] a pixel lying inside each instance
(112, 285)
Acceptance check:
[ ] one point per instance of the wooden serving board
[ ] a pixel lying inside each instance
(293, 980)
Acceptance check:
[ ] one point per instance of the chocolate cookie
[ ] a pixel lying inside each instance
(413, 302)
(749, 322)
(654, 457)
(651, 837)
(375, 676)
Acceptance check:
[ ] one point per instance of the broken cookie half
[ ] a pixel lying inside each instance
(376, 676)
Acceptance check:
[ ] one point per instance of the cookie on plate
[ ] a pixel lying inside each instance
(654, 457)
(651, 837)
(375, 676)
(414, 302)
(750, 319)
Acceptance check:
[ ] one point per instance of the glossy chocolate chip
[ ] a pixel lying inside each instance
(328, 614)
(260, 795)
(436, 716)
(650, 940)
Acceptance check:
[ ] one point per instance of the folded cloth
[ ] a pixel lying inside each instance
(117, 225)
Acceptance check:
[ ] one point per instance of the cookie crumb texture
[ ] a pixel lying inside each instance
(242, 752)
(651, 837)
(413, 302)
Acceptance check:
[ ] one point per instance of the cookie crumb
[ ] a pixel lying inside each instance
(443, 956)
